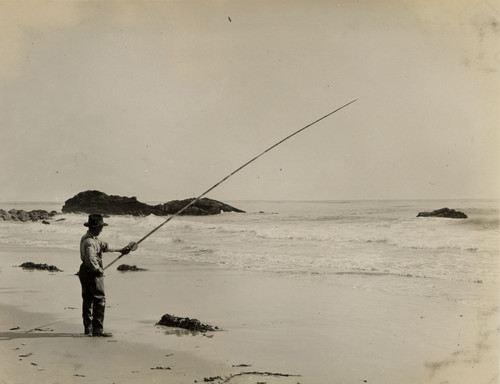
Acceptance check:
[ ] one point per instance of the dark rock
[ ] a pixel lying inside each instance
(40, 267)
(96, 201)
(19, 215)
(185, 323)
(45, 222)
(444, 212)
(202, 207)
(40, 214)
(126, 268)
(5, 216)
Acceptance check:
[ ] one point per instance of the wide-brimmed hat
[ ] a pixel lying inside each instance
(95, 220)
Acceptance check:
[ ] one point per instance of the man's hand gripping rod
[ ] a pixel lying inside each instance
(134, 246)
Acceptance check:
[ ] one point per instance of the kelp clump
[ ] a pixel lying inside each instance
(186, 323)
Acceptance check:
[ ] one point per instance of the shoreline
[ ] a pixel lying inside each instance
(337, 329)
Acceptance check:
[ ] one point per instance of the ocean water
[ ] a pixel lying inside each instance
(298, 238)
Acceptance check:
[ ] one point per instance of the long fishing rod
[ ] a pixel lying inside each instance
(225, 178)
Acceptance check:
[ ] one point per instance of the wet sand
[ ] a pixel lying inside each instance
(316, 329)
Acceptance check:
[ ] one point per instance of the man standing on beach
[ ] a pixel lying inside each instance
(91, 275)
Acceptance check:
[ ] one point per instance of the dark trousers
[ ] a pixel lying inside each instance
(94, 300)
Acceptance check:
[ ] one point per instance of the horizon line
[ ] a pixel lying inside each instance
(272, 200)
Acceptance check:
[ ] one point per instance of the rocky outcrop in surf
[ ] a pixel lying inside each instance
(444, 212)
(30, 266)
(96, 201)
(21, 215)
(201, 207)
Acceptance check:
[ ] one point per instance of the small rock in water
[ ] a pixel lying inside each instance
(126, 268)
(40, 267)
(444, 212)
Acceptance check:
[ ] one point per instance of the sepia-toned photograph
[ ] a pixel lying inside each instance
(249, 192)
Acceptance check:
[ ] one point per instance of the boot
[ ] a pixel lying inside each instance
(102, 334)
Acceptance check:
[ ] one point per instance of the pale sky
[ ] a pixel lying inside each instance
(162, 99)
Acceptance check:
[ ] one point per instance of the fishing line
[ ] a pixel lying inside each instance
(225, 178)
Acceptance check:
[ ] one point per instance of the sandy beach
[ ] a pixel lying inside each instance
(274, 329)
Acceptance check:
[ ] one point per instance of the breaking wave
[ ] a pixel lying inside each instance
(297, 238)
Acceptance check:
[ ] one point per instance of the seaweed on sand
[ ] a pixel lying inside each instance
(186, 323)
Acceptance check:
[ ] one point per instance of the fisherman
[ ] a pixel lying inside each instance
(91, 275)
